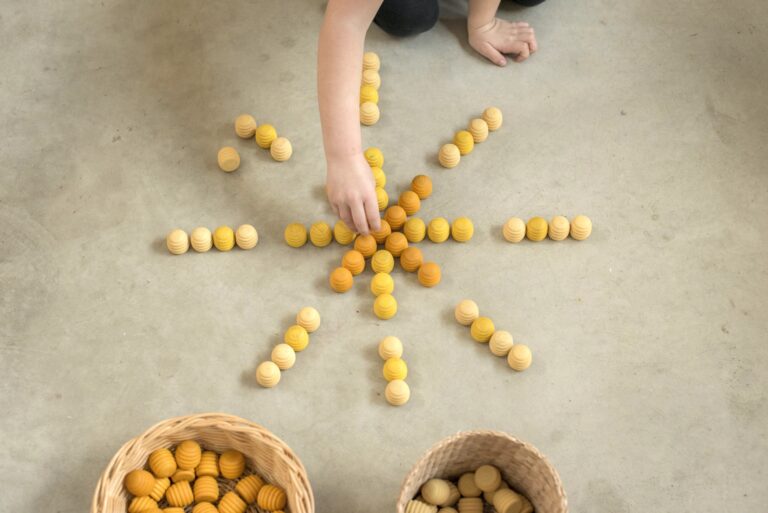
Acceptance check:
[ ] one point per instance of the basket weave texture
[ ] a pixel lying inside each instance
(265, 454)
(521, 465)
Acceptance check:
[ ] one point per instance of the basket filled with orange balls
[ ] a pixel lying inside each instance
(206, 463)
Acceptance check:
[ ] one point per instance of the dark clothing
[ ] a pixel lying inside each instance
(411, 17)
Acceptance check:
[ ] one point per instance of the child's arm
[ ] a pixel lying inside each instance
(492, 37)
(349, 181)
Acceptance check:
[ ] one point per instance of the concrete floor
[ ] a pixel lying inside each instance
(648, 389)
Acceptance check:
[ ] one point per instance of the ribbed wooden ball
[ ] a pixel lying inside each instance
(368, 94)
(559, 228)
(320, 234)
(232, 503)
(466, 312)
(411, 259)
(177, 242)
(390, 347)
(265, 135)
(371, 61)
(410, 202)
(382, 198)
(139, 483)
(436, 491)
(180, 494)
(343, 234)
(507, 501)
(385, 306)
(281, 149)
(228, 159)
(414, 229)
(482, 329)
(422, 186)
(396, 217)
(464, 142)
(536, 229)
(382, 261)
(382, 283)
(382, 233)
(493, 117)
(467, 486)
(397, 392)
(206, 489)
(271, 497)
(487, 478)
(514, 229)
(374, 157)
(248, 488)
(141, 504)
(354, 261)
(366, 245)
(297, 337)
(245, 126)
(188, 454)
(417, 506)
(429, 274)
(379, 176)
(209, 464)
(471, 505)
(341, 280)
(479, 130)
(308, 318)
(202, 507)
(462, 229)
(246, 236)
(449, 155)
(183, 475)
(201, 239)
(295, 235)
(224, 238)
(161, 486)
(395, 368)
(371, 78)
(519, 357)
(268, 376)
(500, 343)
(283, 356)
(438, 230)
(162, 463)
(232, 462)
(581, 227)
(369, 113)
(396, 243)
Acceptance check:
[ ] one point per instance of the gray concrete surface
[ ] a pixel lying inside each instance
(648, 390)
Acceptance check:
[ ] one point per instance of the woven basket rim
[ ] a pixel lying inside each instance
(408, 481)
(212, 419)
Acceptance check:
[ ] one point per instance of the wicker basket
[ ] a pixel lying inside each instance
(264, 453)
(522, 466)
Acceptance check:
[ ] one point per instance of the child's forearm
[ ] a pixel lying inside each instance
(339, 66)
(481, 12)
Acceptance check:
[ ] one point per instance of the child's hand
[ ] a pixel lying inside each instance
(351, 192)
(498, 37)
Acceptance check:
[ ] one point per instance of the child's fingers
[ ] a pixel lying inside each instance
(521, 49)
(492, 54)
(372, 212)
(346, 215)
(358, 216)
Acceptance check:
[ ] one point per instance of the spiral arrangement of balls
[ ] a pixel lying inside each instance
(176, 479)
(500, 342)
(369, 89)
(201, 239)
(395, 371)
(295, 340)
(470, 493)
(537, 228)
(265, 136)
(464, 141)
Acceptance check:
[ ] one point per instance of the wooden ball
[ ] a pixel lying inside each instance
(382, 198)
(482, 329)
(492, 116)
(488, 478)
(308, 318)
(410, 202)
(268, 376)
(382, 283)
(209, 464)
(519, 357)
(162, 463)
(466, 312)
(438, 230)
(396, 243)
(246, 236)
(139, 483)
(297, 337)
(449, 155)
(536, 229)
(201, 239)
(417, 506)
(374, 157)
(183, 475)
(411, 259)
(467, 486)
(368, 94)
(354, 261)
(271, 498)
(177, 242)
(141, 504)
(265, 134)
(343, 234)
(479, 130)
(245, 126)
(559, 227)
(385, 306)
(414, 229)
(228, 159)
(470, 505)
(464, 142)
(382, 233)
(382, 261)
(188, 454)
(224, 238)
(436, 491)
(341, 280)
(371, 61)
(396, 217)
(507, 501)
(320, 234)
(283, 356)
(248, 488)
(429, 274)
(390, 347)
(379, 176)
(462, 229)
(203, 507)
(371, 78)
(514, 229)
(281, 149)
(206, 489)
(397, 392)
(231, 462)
(581, 227)
(180, 494)
(422, 186)
(366, 245)
(232, 503)
(395, 368)
(500, 343)
(295, 235)
(369, 112)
